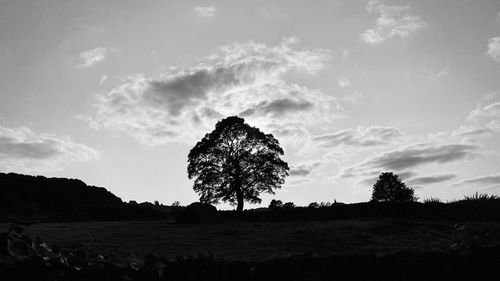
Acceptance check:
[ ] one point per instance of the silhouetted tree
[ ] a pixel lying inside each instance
(313, 205)
(235, 163)
(275, 204)
(289, 205)
(389, 188)
(325, 204)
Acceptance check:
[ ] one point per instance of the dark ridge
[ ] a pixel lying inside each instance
(29, 195)
(62, 199)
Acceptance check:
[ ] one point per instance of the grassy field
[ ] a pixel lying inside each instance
(254, 241)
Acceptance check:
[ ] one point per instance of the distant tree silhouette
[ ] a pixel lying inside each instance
(235, 163)
(389, 188)
(289, 205)
(313, 205)
(275, 204)
(325, 204)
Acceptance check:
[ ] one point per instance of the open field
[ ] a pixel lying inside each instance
(254, 241)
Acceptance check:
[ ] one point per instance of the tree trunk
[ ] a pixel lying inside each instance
(237, 185)
(239, 198)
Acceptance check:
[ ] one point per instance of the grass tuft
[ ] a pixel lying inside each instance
(480, 197)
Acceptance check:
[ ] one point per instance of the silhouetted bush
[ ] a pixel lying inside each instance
(313, 205)
(275, 204)
(199, 213)
(432, 200)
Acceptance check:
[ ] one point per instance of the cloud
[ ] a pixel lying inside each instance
(92, 57)
(494, 49)
(21, 149)
(482, 121)
(360, 137)
(488, 180)
(393, 21)
(373, 176)
(412, 156)
(352, 97)
(431, 179)
(278, 107)
(471, 131)
(208, 11)
(104, 77)
(344, 82)
(490, 111)
(243, 78)
(304, 169)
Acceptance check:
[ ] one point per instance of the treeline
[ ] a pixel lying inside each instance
(62, 199)
(23, 194)
(462, 210)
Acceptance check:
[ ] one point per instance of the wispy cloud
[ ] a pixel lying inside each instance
(304, 169)
(278, 107)
(104, 77)
(360, 137)
(344, 82)
(482, 121)
(494, 49)
(485, 113)
(431, 179)
(245, 79)
(207, 11)
(471, 131)
(23, 150)
(92, 57)
(412, 156)
(488, 180)
(393, 21)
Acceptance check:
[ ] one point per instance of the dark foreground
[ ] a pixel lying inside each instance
(389, 249)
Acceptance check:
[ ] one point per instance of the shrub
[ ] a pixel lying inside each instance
(313, 205)
(432, 200)
(325, 204)
(198, 212)
(480, 197)
(275, 204)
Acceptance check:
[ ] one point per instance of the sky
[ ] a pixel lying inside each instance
(116, 93)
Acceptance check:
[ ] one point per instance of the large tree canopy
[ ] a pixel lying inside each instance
(389, 188)
(235, 163)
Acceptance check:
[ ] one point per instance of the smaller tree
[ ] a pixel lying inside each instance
(289, 205)
(325, 204)
(313, 205)
(389, 188)
(275, 204)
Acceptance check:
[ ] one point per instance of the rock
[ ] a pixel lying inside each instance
(199, 213)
